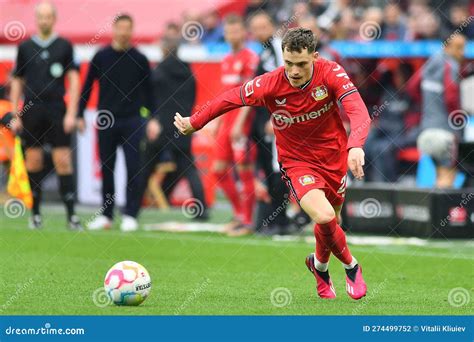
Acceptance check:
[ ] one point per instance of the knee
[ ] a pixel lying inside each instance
(323, 215)
(63, 166)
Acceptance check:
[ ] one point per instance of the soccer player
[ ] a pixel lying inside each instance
(43, 63)
(237, 68)
(313, 148)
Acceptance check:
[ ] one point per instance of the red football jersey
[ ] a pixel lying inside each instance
(306, 120)
(238, 67)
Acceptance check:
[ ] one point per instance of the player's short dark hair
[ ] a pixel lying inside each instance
(298, 39)
(234, 19)
(123, 16)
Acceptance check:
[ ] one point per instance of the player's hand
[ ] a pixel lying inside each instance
(153, 129)
(356, 161)
(16, 125)
(69, 123)
(81, 125)
(183, 124)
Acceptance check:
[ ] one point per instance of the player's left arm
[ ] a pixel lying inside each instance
(72, 74)
(346, 94)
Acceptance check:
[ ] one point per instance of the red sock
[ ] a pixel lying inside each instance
(227, 183)
(323, 252)
(248, 194)
(334, 237)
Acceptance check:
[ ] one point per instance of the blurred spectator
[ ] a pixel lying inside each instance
(322, 43)
(459, 20)
(389, 133)
(393, 27)
(213, 29)
(440, 101)
(174, 88)
(270, 7)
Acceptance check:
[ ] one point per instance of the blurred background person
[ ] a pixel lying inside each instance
(238, 67)
(174, 90)
(440, 99)
(125, 87)
(43, 63)
(389, 133)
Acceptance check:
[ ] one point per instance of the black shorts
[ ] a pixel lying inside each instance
(43, 124)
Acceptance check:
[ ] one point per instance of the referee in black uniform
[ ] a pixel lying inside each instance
(43, 62)
(125, 92)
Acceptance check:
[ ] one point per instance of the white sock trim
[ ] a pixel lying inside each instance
(351, 265)
(320, 266)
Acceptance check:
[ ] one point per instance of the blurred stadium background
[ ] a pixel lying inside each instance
(370, 38)
(401, 225)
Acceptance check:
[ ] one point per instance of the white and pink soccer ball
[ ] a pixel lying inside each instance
(127, 283)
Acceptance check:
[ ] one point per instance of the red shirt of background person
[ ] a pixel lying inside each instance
(313, 148)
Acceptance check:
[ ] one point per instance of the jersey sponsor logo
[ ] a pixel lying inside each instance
(281, 102)
(306, 180)
(56, 70)
(341, 74)
(280, 118)
(319, 93)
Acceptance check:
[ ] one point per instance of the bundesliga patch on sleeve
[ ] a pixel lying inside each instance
(306, 180)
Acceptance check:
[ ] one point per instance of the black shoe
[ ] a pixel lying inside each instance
(74, 223)
(271, 230)
(35, 222)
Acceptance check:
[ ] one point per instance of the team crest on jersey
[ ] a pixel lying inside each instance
(319, 93)
(306, 180)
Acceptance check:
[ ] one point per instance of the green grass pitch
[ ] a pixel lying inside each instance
(55, 272)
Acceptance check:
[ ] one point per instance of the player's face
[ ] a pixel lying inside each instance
(456, 47)
(45, 19)
(234, 34)
(122, 32)
(299, 66)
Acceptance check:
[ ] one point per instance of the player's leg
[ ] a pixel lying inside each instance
(333, 239)
(224, 173)
(108, 143)
(32, 140)
(34, 167)
(132, 133)
(245, 161)
(62, 160)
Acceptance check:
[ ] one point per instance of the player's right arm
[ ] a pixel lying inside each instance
(249, 94)
(16, 90)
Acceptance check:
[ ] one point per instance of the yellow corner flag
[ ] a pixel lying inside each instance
(18, 183)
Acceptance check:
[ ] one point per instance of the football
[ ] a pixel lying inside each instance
(127, 283)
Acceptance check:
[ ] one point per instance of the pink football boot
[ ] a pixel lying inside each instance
(323, 281)
(355, 284)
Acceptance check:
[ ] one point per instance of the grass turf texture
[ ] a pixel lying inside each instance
(54, 271)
